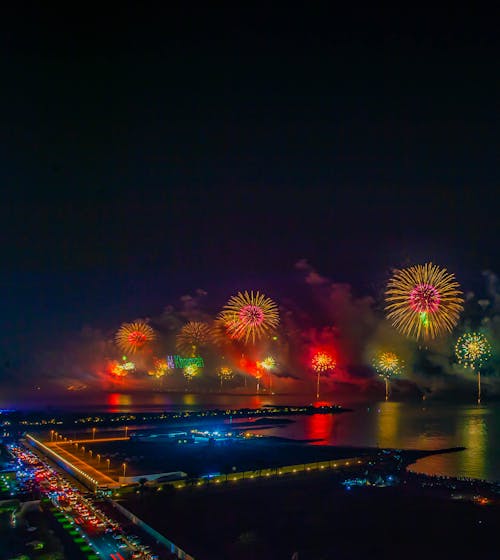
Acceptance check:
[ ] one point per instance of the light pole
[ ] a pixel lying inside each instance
(90, 452)
(107, 461)
(51, 435)
(93, 433)
(98, 458)
(124, 469)
(126, 431)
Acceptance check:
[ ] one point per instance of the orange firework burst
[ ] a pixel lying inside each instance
(423, 301)
(249, 316)
(121, 370)
(160, 368)
(322, 362)
(191, 336)
(132, 337)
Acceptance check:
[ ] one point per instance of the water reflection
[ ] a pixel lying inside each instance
(118, 402)
(388, 417)
(386, 424)
(320, 427)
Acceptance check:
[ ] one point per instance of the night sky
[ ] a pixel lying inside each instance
(149, 154)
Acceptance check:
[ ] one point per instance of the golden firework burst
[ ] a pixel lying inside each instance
(248, 316)
(192, 335)
(132, 337)
(268, 363)
(225, 373)
(387, 364)
(423, 301)
(473, 350)
(191, 371)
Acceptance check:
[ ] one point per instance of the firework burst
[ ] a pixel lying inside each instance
(190, 371)
(121, 369)
(388, 364)
(160, 368)
(472, 351)
(248, 316)
(269, 363)
(423, 301)
(132, 337)
(321, 363)
(225, 373)
(192, 335)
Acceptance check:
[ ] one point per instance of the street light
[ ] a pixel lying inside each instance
(90, 452)
(51, 435)
(126, 430)
(98, 458)
(124, 468)
(93, 433)
(107, 461)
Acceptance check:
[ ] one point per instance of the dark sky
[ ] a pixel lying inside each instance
(147, 154)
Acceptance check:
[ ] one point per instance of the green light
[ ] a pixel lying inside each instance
(424, 319)
(275, 338)
(124, 358)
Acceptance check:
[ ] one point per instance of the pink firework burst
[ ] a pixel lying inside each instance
(424, 298)
(251, 315)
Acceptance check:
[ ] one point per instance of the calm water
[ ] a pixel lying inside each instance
(429, 425)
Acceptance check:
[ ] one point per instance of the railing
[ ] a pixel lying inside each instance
(269, 472)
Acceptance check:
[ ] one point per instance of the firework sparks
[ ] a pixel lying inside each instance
(472, 351)
(388, 364)
(192, 335)
(248, 316)
(132, 337)
(423, 301)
